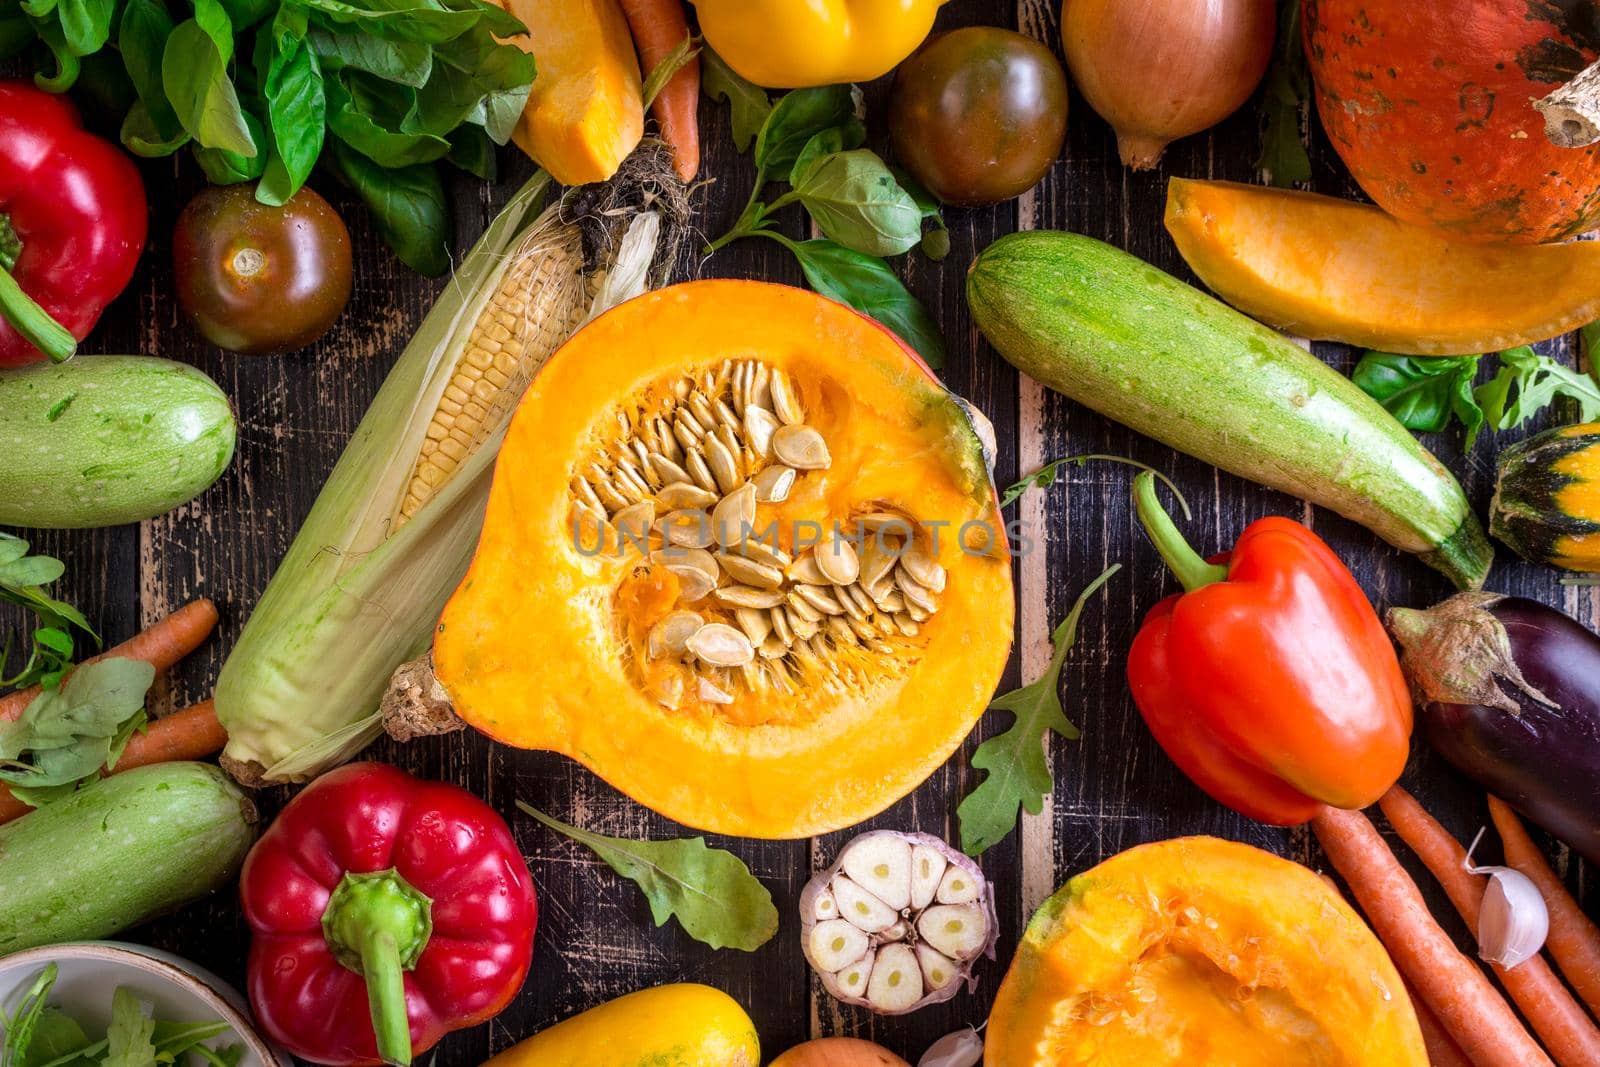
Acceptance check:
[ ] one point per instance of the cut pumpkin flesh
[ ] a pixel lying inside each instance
(1201, 951)
(1336, 270)
(741, 558)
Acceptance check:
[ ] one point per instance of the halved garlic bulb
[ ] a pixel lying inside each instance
(897, 922)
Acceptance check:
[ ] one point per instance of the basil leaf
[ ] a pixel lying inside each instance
(857, 203)
(425, 22)
(1423, 393)
(408, 207)
(296, 116)
(86, 24)
(1285, 95)
(143, 137)
(936, 242)
(473, 152)
(476, 79)
(795, 119)
(246, 13)
(142, 39)
(403, 62)
(67, 64)
(748, 105)
(1527, 383)
(823, 143)
(872, 288)
(222, 167)
(1018, 775)
(372, 117)
(711, 893)
(194, 73)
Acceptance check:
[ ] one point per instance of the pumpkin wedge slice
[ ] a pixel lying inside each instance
(1198, 950)
(1336, 270)
(742, 559)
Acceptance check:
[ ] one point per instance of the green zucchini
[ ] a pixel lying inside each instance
(1141, 347)
(1546, 503)
(120, 851)
(107, 440)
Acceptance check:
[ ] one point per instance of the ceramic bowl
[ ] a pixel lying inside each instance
(91, 971)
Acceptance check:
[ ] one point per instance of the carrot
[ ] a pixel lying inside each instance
(1452, 987)
(161, 646)
(192, 733)
(1560, 1022)
(1442, 1048)
(1574, 939)
(660, 27)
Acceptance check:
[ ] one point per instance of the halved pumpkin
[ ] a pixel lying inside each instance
(1336, 270)
(644, 599)
(1200, 951)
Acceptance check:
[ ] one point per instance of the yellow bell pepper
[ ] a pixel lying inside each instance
(793, 44)
(668, 1026)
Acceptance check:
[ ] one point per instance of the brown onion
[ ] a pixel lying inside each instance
(839, 1052)
(1158, 70)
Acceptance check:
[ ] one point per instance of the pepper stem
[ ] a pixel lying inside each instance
(1186, 564)
(377, 925)
(33, 322)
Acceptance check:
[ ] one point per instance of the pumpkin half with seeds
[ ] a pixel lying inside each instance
(742, 558)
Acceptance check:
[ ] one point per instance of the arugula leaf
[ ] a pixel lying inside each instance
(711, 892)
(797, 117)
(1423, 393)
(857, 203)
(869, 285)
(21, 579)
(407, 205)
(20, 1027)
(1045, 477)
(59, 1041)
(1527, 383)
(1018, 775)
(66, 735)
(748, 105)
(128, 1039)
(1284, 98)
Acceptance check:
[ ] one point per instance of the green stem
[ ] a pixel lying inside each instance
(33, 322)
(1191, 570)
(386, 996)
(377, 925)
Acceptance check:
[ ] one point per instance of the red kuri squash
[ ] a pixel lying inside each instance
(1430, 105)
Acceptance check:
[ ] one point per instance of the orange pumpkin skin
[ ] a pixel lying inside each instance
(1430, 106)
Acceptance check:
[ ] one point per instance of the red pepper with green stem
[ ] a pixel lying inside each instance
(387, 912)
(1269, 680)
(72, 225)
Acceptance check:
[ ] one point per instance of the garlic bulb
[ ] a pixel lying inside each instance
(897, 922)
(1514, 919)
(964, 1048)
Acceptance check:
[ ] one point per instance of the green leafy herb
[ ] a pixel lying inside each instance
(711, 892)
(128, 1039)
(670, 64)
(1286, 93)
(857, 203)
(1018, 774)
(1527, 383)
(1045, 477)
(1423, 393)
(21, 1026)
(407, 205)
(22, 581)
(69, 733)
(748, 104)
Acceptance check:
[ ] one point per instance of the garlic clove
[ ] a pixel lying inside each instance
(898, 932)
(958, 887)
(823, 906)
(861, 907)
(927, 868)
(1514, 920)
(938, 970)
(957, 930)
(881, 864)
(964, 1048)
(851, 983)
(896, 982)
(836, 944)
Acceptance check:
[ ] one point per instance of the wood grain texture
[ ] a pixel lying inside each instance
(1114, 787)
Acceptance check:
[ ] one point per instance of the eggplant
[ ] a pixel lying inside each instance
(1509, 691)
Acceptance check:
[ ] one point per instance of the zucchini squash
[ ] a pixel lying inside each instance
(1546, 505)
(1141, 347)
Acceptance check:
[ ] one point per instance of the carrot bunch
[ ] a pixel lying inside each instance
(660, 28)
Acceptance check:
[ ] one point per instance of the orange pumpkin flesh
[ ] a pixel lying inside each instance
(548, 642)
(1430, 106)
(1195, 951)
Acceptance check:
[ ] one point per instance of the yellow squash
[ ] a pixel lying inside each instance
(743, 685)
(585, 113)
(796, 44)
(1336, 270)
(668, 1026)
(1201, 951)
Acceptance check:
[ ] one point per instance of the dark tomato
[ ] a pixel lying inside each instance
(978, 114)
(254, 278)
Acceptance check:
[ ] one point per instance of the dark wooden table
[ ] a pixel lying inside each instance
(1114, 788)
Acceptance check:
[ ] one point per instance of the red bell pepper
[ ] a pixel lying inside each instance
(72, 225)
(1269, 680)
(387, 912)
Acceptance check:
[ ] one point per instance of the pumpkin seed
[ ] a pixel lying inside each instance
(700, 408)
(806, 570)
(784, 402)
(801, 447)
(804, 629)
(586, 494)
(773, 484)
(759, 426)
(685, 436)
(744, 596)
(761, 385)
(631, 475)
(906, 624)
(734, 516)
(853, 600)
(640, 455)
(666, 441)
(914, 591)
(726, 419)
(709, 692)
(875, 563)
(670, 636)
(670, 472)
(678, 496)
(762, 552)
(837, 560)
(923, 568)
(773, 648)
(668, 690)
(801, 608)
(695, 463)
(819, 598)
(916, 613)
(875, 521)
(633, 522)
(723, 466)
(756, 624)
(749, 572)
(839, 630)
(863, 629)
(721, 645)
(686, 529)
(676, 557)
(631, 489)
(693, 584)
(780, 626)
